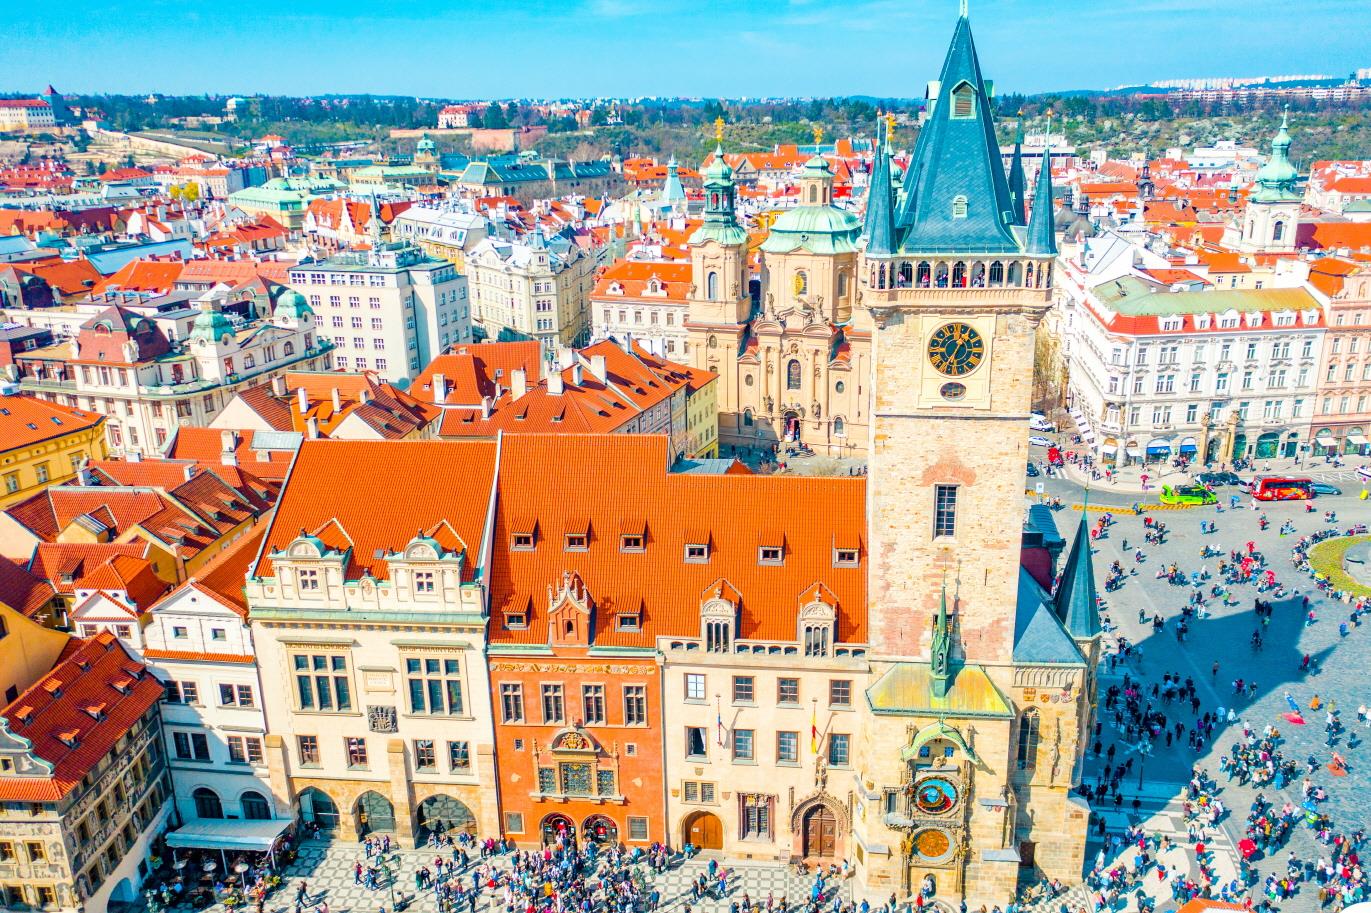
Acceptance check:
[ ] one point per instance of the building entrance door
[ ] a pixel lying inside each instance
(820, 832)
(705, 831)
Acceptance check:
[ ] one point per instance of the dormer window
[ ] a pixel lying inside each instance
(630, 622)
(718, 636)
(309, 580)
(770, 554)
(71, 738)
(631, 543)
(959, 207)
(845, 557)
(963, 102)
(522, 542)
(516, 621)
(697, 554)
(424, 581)
(577, 542)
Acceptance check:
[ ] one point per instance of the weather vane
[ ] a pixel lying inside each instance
(718, 129)
(818, 135)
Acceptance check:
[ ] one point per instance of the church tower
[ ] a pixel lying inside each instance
(1271, 217)
(719, 304)
(969, 661)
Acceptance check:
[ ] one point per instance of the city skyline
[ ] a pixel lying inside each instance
(773, 48)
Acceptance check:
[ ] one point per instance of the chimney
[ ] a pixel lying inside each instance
(303, 399)
(577, 377)
(485, 407)
(312, 428)
(337, 400)
(278, 385)
(228, 446)
(518, 382)
(554, 384)
(565, 358)
(598, 368)
(439, 389)
(364, 396)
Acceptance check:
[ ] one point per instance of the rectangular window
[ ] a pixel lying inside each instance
(944, 510)
(554, 709)
(696, 746)
(459, 757)
(635, 705)
(236, 696)
(742, 689)
(593, 704)
(514, 822)
(321, 682)
(694, 686)
(179, 633)
(512, 703)
(769, 554)
(756, 817)
(435, 685)
(787, 747)
(837, 749)
(742, 744)
(424, 581)
(788, 691)
(840, 692)
(637, 828)
(190, 746)
(309, 750)
(356, 750)
(425, 758)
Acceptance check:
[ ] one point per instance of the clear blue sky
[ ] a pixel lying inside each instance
(544, 48)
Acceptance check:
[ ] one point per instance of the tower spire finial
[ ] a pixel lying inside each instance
(719, 130)
(964, 12)
(818, 134)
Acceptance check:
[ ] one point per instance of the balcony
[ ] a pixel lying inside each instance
(48, 384)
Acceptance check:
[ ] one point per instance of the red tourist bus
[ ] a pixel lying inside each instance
(1278, 488)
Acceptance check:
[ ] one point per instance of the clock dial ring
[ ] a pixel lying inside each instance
(956, 349)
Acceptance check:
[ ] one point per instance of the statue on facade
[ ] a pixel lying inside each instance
(820, 773)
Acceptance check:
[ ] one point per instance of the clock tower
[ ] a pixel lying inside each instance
(952, 799)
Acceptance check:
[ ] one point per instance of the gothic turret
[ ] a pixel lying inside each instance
(880, 206)
(1018, 183)
(957, 196)
(941, 648)
(1042, 229)
(1075, 602)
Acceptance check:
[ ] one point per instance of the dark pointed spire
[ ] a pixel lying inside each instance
(880, 203)
(957, 196)
(941, 648)
(1018, 183)
(1042, 229)
(1075, 602)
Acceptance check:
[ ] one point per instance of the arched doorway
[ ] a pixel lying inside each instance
(601, 830)
(558, 826)
(255, 806)
(442, 814)
(123, 896)
(317, 808)
(373, 814)
(1267, 444)
(207, 804)
(820, 832)
(791, 433)
(703, 830)
(1211, 453)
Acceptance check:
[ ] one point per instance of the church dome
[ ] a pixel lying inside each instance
(211, 326)
(292, 304)
(817, 229)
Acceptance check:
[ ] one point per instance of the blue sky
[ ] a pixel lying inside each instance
(543, 48)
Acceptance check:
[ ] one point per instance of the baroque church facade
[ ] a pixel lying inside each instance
(909, 340)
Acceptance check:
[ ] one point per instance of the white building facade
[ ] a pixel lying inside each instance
(534, 289)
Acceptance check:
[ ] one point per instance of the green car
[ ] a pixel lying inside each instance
(1187, 494)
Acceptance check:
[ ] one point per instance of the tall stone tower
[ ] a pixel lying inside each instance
(1271, 217)
(964, 642)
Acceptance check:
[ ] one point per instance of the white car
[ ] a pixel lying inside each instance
(1037, 440)
(1038, 423)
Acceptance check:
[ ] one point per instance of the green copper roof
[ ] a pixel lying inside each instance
(1076, 602)
(721, 221)
(672, 191)
(1039, 637)
(1276, 179)
(211, 325)
(907, 688)
(1018, 183)
(292, 304)
(957, 197)
(1133, 297)
(1042, 229)
(880, 207)
(817, 229)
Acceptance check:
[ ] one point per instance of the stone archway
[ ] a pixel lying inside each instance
(818, 827)
(442, 814)
(703, 830)
(373, 814)
(317, 808)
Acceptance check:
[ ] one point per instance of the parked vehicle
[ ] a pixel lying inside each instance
(1037, 440)
(1218, 479)
(1281, 488)
(1187, 494)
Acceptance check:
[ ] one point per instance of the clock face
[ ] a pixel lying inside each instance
(956, 349)
(935, 795)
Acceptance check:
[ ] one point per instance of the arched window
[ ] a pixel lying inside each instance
(290, 348)
(816, 637)
(959, 274)
(792, 374)
(801, 282)
(747, 418)
(712, 286)
(1028, 275)
(255, 806)
(1278, 231)
(207, 804)
(959, 207)
(842, 285)
(925, 274)
(839, 429)
(963, 101)
(997, 273)
(1028, 739)
(813, 194)
(906, 275)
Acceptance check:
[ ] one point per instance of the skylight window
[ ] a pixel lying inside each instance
(963, 102)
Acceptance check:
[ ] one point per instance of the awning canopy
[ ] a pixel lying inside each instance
(1324, 437)
(1132, 451)
(1109, 448)
(1357, 438)
(228, 834)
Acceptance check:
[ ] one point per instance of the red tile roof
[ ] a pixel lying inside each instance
(26, 420)
(22, 591)
(144, 276)
(97, 672)
(1327, 274)
(470, 372)
(205, 445)
(630, 279)
(62, 564)
(129, 575)
(223, 577)
(425, 483)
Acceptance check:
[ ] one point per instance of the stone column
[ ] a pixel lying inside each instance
(1204, 439)
(401, 795)
(282, 795)
(488, 811)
